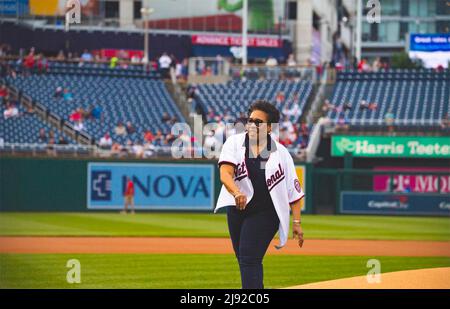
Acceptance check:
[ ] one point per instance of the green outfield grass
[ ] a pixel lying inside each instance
(214, 225)
(187, 271)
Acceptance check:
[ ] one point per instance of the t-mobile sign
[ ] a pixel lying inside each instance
(420, 183)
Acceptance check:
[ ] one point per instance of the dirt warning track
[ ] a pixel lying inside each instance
(158, 245)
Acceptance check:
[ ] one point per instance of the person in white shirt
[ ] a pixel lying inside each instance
(260, 187)
(164, 65)
(106, 141)
(11, 112)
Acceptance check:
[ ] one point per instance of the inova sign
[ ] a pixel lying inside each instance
(382, 146)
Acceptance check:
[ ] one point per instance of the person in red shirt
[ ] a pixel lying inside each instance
(129, 196)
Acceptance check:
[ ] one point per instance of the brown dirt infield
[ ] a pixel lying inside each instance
(429, 278)
(157, 245)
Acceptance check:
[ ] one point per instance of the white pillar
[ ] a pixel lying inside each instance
(358, 29)
(303, 31)
(126, 13)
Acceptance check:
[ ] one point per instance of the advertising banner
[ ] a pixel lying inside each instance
(420, 183)
(394, 147)
(394, 203)
(156, 186)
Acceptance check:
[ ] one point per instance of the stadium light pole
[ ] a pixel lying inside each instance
(358, 29)
(146, 13)
(244, 31)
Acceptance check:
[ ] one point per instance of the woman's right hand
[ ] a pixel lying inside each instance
(241, 200)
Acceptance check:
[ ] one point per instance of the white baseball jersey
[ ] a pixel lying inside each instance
(281, 180)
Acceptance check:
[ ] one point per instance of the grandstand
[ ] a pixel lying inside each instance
(416, 98)
(124, 97)
(25, 129)
(236, 96)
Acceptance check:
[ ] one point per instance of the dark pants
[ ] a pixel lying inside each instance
(251, 234)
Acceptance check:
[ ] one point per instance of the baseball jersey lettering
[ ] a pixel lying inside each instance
(275, 178)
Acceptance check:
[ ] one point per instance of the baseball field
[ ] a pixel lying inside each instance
(192, 250)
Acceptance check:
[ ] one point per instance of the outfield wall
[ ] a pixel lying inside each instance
(58, 184)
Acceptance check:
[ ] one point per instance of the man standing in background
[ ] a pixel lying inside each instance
(129, 196)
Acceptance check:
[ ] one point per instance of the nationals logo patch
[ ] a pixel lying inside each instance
(297, 186)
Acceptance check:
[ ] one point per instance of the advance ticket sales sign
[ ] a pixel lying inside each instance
(156, 186)
(382, 146)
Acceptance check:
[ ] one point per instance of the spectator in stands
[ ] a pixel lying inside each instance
(164, 65)
(347, 106)
(173, 120)
(75, 116)
(3, 92)
(61, 56)
(242, 118)
(130, 128)
(200, 66)
(304, 132)
(79, 126)
(191, 92)
(42, 137)
(158, 139)
(95, 112)
(376, 65)
(116, 149)
(58, 93)
(126, 149)
(227, 117)
(280, 97)
(210, 116)
(327, 106)
(172, 68)
(67, 96)
(105, 142)
(120, 129)
(363, 105)
(165, 117)
(272, 71)
(29, 62)
(284, 137)
(42, 64)
(287, 124)
(138, 150)
(271, 61)
(149, 150)
(11, 111)
(373, 106)
(440, 68)
(29, 111)
(51, 147)
(292, 112)
(86, 56)
(51, 134)
(291, 61)
(113, 62)
(62, 141)
(363, 66)
(389, 119)
(342, 124)
(135, 59)
(148, 136)
(184, 69)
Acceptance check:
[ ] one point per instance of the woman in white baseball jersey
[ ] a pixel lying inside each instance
(260, 187)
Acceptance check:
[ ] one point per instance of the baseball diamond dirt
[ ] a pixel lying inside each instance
(175, 245)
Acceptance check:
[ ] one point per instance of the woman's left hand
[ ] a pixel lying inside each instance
(297, 233)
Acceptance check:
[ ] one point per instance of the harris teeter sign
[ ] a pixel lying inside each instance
(383, 146)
